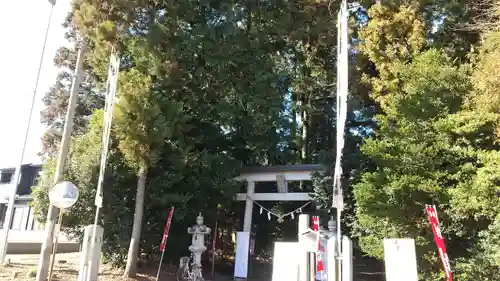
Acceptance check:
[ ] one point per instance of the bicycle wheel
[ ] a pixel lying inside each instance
(197, 275)
(182, 274)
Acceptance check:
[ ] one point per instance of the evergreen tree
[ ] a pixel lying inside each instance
(426, 151)
(56, 101)
(207, 87)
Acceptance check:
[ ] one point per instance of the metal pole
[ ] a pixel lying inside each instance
(164, 241)
(339, 246)
(159, 266)
(54, 249)
(345, 86)
(17, 173)
(213, 247)
(339, 89)
(43, 265)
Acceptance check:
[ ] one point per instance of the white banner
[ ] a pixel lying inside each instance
(342, 93)
(242, 251)
(113, 69)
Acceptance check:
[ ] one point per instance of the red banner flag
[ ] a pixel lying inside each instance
(214, 241)
(165, 233)
(319, 260)
(438, 238)
(315, 223)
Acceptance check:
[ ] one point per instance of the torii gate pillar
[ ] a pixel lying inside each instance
(280, 174)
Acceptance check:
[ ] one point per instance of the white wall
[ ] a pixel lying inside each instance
(34, 236)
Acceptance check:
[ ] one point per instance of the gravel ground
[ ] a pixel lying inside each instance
(23, 267)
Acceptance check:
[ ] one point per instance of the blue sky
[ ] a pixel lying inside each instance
(19, 57)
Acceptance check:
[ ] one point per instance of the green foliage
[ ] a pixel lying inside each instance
(483, 265)
(485, 75)
(82, 170)
(139, 125)
(206, 87)
(426, 148)
(185, 184)
(394, 34)
(430, 87)
(427, 151)
(56, 102)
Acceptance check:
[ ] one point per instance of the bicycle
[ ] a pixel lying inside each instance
(185, 274)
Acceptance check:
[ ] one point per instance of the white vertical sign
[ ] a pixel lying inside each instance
(347, 259)
(242, 251)
(113, 68)
(331, 259)
(400, 260)
(286, 261)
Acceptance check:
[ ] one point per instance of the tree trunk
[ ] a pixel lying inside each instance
(133, 250)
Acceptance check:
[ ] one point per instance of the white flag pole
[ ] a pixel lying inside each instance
(113, 69)
(342, 91)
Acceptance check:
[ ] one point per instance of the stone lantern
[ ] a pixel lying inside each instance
(199, 230)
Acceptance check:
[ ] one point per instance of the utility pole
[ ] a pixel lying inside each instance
(17, 174)
(43, 265)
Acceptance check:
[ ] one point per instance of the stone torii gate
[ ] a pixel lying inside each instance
(282, 175)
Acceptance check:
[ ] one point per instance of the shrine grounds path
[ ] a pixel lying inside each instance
(23, 267)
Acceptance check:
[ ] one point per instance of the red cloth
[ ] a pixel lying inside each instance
(438, 238)
(167, 227)
(319, 260)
